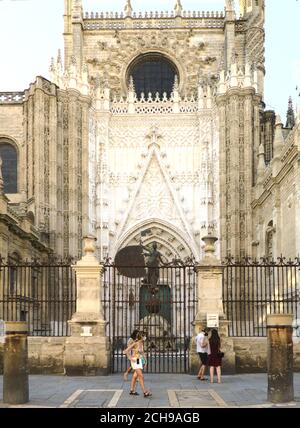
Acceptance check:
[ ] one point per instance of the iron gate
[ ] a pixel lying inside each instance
(165, 315)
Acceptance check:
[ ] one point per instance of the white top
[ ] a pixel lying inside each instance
(199, 343)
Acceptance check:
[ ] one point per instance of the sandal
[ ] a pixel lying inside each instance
(133, 393)
(147, 394)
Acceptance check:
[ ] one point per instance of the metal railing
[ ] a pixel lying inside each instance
(41, 293)
(252, 289)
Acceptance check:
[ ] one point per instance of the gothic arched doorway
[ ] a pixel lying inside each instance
(164, 312)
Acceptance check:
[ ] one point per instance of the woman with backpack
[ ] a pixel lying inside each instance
(130, 342)
(135, 353)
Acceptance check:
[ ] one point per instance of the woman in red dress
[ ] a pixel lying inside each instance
(214, 359)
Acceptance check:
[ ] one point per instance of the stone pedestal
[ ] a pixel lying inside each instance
(15, 364)
(280, 358)
(88, 350)
(87, 356)
(210, 275)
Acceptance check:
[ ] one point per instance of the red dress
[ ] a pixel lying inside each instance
(213, 359)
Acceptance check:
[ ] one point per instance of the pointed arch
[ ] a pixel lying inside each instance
(172, 242)
(9, 164)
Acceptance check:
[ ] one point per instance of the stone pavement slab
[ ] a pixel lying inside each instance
(169, 392)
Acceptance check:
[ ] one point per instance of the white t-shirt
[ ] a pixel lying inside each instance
(199, 343)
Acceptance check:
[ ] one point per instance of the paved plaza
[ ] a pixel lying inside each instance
(169, 391)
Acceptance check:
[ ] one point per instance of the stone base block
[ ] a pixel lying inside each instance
(229, 363)
(46, 355)
(194, 359)
(87, 356)
(251, 354)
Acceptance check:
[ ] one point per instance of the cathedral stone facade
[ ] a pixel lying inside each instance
(153, 126)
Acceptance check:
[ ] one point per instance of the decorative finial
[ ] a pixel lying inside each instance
(290, 116)
(88, 245)
(242, 7)
(178, 8)
(261, 160)
(278, 138)
(176, 84)
(131, 84)
(209, 248)
(77, 9)
(229, 5)
(278, 121)
(59, 57)
(128, 8)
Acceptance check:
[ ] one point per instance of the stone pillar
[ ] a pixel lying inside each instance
(280, 358)
(88, 349)
(210, 274)
(15, 364)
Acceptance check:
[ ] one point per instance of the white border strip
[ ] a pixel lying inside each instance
(173, 400)
(72, 398)
(113, 402)
(116, 397)
(217, 398)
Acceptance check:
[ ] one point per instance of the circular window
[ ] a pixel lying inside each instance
(153, 73)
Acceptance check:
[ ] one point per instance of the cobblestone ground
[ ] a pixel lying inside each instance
(168, 391)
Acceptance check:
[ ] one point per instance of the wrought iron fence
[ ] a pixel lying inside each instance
(252, 289)
(41, 293)
(164, 313)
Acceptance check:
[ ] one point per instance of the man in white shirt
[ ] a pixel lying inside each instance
(202, 350)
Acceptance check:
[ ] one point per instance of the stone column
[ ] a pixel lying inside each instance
(210, 274)
(280, 358)
(15, 364)
(88, 349)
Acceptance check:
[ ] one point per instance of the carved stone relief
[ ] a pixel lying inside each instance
(125, 46)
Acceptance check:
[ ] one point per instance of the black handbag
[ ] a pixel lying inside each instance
(220, 354)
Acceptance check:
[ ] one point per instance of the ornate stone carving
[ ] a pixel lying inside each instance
(177, 47)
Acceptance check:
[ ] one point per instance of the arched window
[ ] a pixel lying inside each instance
(8, 154)
(153, 73)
